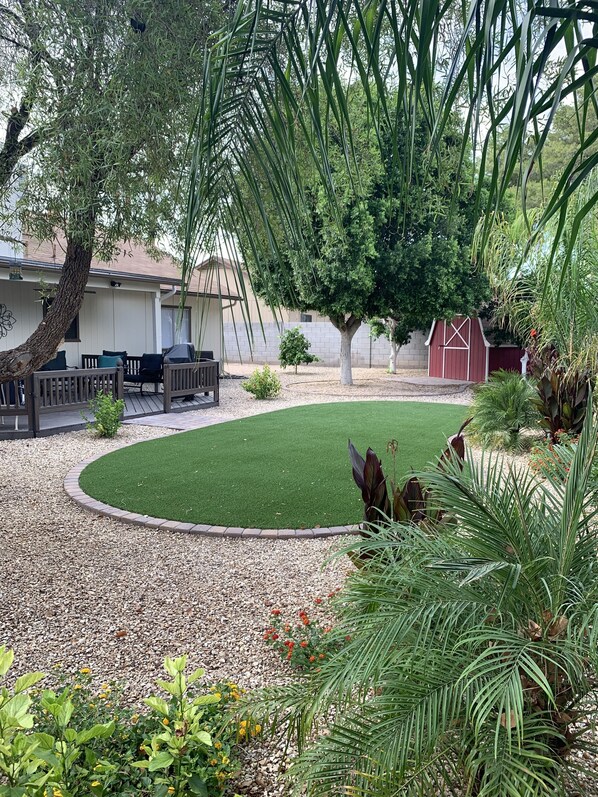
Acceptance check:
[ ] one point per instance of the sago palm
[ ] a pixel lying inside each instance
(502, 407)
(468, 653)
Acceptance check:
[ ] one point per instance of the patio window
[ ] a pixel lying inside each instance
(169, 319)
(305, 317)
(72, 333)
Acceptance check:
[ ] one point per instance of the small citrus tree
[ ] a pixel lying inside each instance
(294, 349)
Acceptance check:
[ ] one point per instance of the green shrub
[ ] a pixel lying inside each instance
(76, 740)
(294, 348)
(502, 407)
(107, 412)
(473, 658)
(263, 383)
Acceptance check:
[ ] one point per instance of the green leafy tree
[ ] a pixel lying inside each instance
(294, 349)
(365, 256)
(397, 332)
(101, 95)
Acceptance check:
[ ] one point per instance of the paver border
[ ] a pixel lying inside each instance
(75, 492)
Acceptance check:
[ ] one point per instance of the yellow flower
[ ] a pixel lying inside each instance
(102, 695)
(213, 762)
(171, 789)
(225, 760)
(84, 670)
(221, 775)
(92, 705)
(165, 721)
(56, 793)
(96, 783)
(78, 686)
(218, 695)
(258, 729)
(57, 666)
(105, 687)
(134, 719)
(97, 766)
(242, 732)
(218, 745)
(243, 723)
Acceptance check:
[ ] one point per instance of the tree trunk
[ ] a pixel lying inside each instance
(42, 345)
(347, 327)
(394, 356)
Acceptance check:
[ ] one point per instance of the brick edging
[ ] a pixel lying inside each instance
(74, 491)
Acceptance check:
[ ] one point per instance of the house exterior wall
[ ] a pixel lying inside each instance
(205, 323)
(110, 318)
(325, 344)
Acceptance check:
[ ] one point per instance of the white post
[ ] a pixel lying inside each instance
(157, 322)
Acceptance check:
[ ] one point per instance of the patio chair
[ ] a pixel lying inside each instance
(150, 371)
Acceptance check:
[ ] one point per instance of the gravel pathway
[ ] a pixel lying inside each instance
(85, 590)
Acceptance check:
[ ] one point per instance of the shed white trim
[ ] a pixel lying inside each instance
(429, 340)
(486, 344)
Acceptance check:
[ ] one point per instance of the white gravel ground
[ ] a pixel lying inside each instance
(85, 590)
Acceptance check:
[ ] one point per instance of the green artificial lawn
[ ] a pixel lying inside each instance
(283, 469)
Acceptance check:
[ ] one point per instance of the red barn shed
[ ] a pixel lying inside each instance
(459, 349)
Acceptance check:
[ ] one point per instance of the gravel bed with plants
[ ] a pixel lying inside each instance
(87, 591)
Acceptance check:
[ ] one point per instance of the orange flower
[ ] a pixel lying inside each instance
(276, 612)
(304, 644)
(312, 658)
(533, 333)
(318, 600)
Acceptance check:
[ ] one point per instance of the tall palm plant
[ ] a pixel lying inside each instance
(472, 655)
(282, 68)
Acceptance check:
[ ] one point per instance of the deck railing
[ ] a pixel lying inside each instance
(185, 379)
(60, 391)
(56, 391)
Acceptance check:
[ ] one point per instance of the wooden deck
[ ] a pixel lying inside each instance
(136, 406)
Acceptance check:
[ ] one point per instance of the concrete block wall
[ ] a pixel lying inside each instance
(325, 344)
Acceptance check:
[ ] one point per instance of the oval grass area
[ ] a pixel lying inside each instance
(283, 469)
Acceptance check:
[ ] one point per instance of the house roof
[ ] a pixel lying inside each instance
(214, 278)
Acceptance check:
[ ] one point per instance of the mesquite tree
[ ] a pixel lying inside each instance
(100, 95)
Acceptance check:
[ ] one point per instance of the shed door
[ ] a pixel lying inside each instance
(456, 349)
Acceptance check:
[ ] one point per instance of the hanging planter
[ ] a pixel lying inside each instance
(15, 273)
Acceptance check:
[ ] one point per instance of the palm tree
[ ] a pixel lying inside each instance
(472, 653)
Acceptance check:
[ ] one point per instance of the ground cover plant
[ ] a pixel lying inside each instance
(283, 469)
(304, 642)
(472, 664)
(76, 739)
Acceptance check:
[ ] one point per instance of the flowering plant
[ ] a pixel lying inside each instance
(79, 739)
(303, 643)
